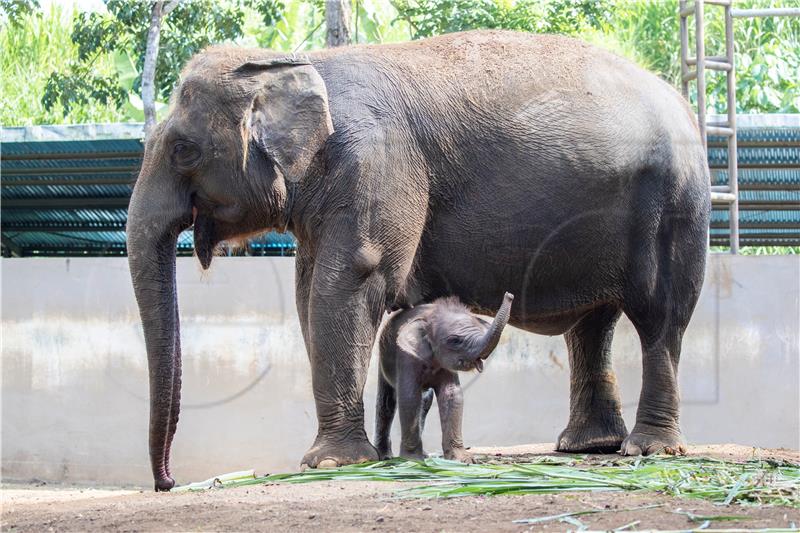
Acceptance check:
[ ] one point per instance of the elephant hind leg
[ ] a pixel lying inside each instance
(595, 418)
(385, 407)
(660, 304)
(657, 426)
(427, 401)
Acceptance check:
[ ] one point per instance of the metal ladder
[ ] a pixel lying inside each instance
(720, 194)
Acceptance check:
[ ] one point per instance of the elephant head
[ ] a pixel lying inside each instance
(239, 134)
(459, 340)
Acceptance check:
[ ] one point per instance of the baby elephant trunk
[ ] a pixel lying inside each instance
(492, 337)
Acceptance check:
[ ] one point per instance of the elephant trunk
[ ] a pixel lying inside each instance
(492, 336)
(155, 219)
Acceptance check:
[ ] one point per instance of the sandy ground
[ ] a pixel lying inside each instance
(370, 506)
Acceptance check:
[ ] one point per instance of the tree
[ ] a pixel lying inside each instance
(157, 13)
(152, 40)
(16, 10)
(337, 21)
(434, 17)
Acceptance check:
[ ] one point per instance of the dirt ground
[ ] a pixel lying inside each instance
(372, 506)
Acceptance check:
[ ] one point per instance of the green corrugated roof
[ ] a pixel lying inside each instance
(65, 189)
(783, 179)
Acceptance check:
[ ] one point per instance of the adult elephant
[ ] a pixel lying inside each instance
(466, 165)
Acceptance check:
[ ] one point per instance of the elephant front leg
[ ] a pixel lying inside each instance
(451, 413)
(343, 317)
(409, 397)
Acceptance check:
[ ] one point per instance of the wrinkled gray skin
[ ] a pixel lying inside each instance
(421, 351)
(463, 165)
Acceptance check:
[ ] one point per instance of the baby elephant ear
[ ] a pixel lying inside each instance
(412, 339)
(289, 119)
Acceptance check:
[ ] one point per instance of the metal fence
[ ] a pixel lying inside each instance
(721, 193)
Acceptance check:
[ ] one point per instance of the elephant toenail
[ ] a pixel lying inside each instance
(328, 463)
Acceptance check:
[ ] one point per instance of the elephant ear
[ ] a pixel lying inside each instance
(412, 339)
(289, 119)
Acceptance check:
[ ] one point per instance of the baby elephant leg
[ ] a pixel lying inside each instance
(451, 412)
(427, 401)
(385, 407)
(409, 399)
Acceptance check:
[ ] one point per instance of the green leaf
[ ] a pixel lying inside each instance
(714, 480)
(126, 70)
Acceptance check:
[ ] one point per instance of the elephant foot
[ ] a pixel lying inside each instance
(417, 454)
(164, 484)
(598, 436)
(459, 454)
(384, 452)
(649, 440)
(329, 454)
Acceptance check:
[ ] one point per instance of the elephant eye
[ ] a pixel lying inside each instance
(455, 341)
(185, 155)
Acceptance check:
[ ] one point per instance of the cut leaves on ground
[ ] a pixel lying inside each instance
(752, 482)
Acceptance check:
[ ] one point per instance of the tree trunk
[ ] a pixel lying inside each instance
(337, 20)
(149, 70)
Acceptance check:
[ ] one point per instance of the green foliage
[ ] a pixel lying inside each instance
(15, 11)
(32, 45)
(768, 62)
(272, 15)
(297, 25)
(767, 52)
(80, 87)
(376, 21)
(430, 17)
(434, 17)
(69, 67)
(647, 32)
(300, 26)
(767, 49)
(190, 27)
(571, 16)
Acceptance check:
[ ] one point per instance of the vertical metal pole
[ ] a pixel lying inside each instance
(733, 163)
(684, 49)
(700, 54)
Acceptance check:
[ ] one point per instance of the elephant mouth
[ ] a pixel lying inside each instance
(210, 232)
(479, 365)
(204, 237)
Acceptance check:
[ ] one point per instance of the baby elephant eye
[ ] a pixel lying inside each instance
(455, 341)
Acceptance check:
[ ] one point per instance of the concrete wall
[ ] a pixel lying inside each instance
(74, 385)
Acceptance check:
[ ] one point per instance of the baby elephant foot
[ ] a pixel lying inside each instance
(327, 454)
(459, 454)
(649, 440)
(384, 452)
(416, 454)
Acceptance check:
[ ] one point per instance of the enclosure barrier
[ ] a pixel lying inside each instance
(729, 193)
(65, 189)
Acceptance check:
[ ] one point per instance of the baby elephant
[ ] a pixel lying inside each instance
(421, 349)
